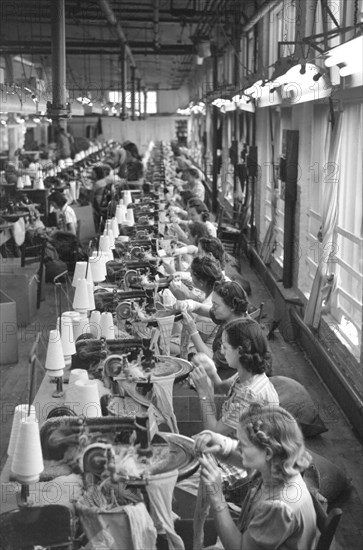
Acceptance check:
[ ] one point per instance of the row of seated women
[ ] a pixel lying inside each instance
(231, 357)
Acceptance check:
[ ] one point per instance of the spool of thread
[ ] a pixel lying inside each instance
(112, 238)
(74, 375)
(20, 413)
(27, 461)
(91, 297)
(67, 338)
(79, 272)
(83, 398)
(54, 361)
(105, 244)
(114, 227)
(130, 216)
(97, 268)
(127, 198)
(75, 317)
(81, 299)
(39, 183)
(107, 326)
(95, 324)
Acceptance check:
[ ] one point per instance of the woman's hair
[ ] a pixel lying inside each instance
(198, 230)
(132, 149)
(101, 171)
(246, 335)
(191, 172)
(212, 245)
(270, 426)
(233, 296)
(57, 198)
(207, 270)
(200, 207)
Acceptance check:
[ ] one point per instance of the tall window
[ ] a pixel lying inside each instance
(347, 308)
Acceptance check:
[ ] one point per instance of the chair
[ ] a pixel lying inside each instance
(230, 226)
(327, 523)
(31, 253)
(48, 526)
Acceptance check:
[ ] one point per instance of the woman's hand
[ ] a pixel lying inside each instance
(202, 360)
(208, 442)
(211, 477)
(202, 382)
(179, 290)
(189, 323)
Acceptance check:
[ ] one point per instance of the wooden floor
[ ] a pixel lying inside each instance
(339, 444)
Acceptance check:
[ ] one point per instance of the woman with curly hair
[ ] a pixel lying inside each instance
(229, 302)
(246, 350)
(278, 512)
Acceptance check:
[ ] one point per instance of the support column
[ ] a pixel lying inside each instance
(145, 102)
(123, 83)
(58, 109)
(215, 112)
(133, 93)
(139, 96)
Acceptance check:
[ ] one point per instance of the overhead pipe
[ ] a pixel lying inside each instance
(156, 6)
(260, 13)
(111, 18)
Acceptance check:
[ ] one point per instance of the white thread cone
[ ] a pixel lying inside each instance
(54, 362)
(121, 213)
(81, 299)
(107, 257)
(81, 327)
(104, 243)
(91, 297)
(114, 227)
(20, 183)
(107, 326)
(39, 183)
(165, 325)
(95, 324)
(130, 216)
(67, 336)
(20, 413)
(77, 374)
(79, 272)
(97, 268)
(107, 226)
(127, 198)
(75, 317)
(112, 238)
(27, 461)
(83, 398)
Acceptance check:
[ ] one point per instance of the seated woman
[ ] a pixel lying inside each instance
(205, 273)
(246, 351)
(229, 302)
(67, 219)
(134, 166)
(278, 512)
(194, 184)
(211, 247)
(197, 211)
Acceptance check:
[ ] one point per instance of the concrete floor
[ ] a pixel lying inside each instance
(339, 444)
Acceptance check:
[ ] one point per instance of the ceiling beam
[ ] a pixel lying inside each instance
(98, 47)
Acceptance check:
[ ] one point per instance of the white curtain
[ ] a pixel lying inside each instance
(325, 267)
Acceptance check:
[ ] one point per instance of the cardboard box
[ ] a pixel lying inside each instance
(9, 330)
(21, 284)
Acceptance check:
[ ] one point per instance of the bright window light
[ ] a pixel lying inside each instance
(152, 102)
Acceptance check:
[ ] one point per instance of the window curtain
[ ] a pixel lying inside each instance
(324, 281)
(269, 241)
